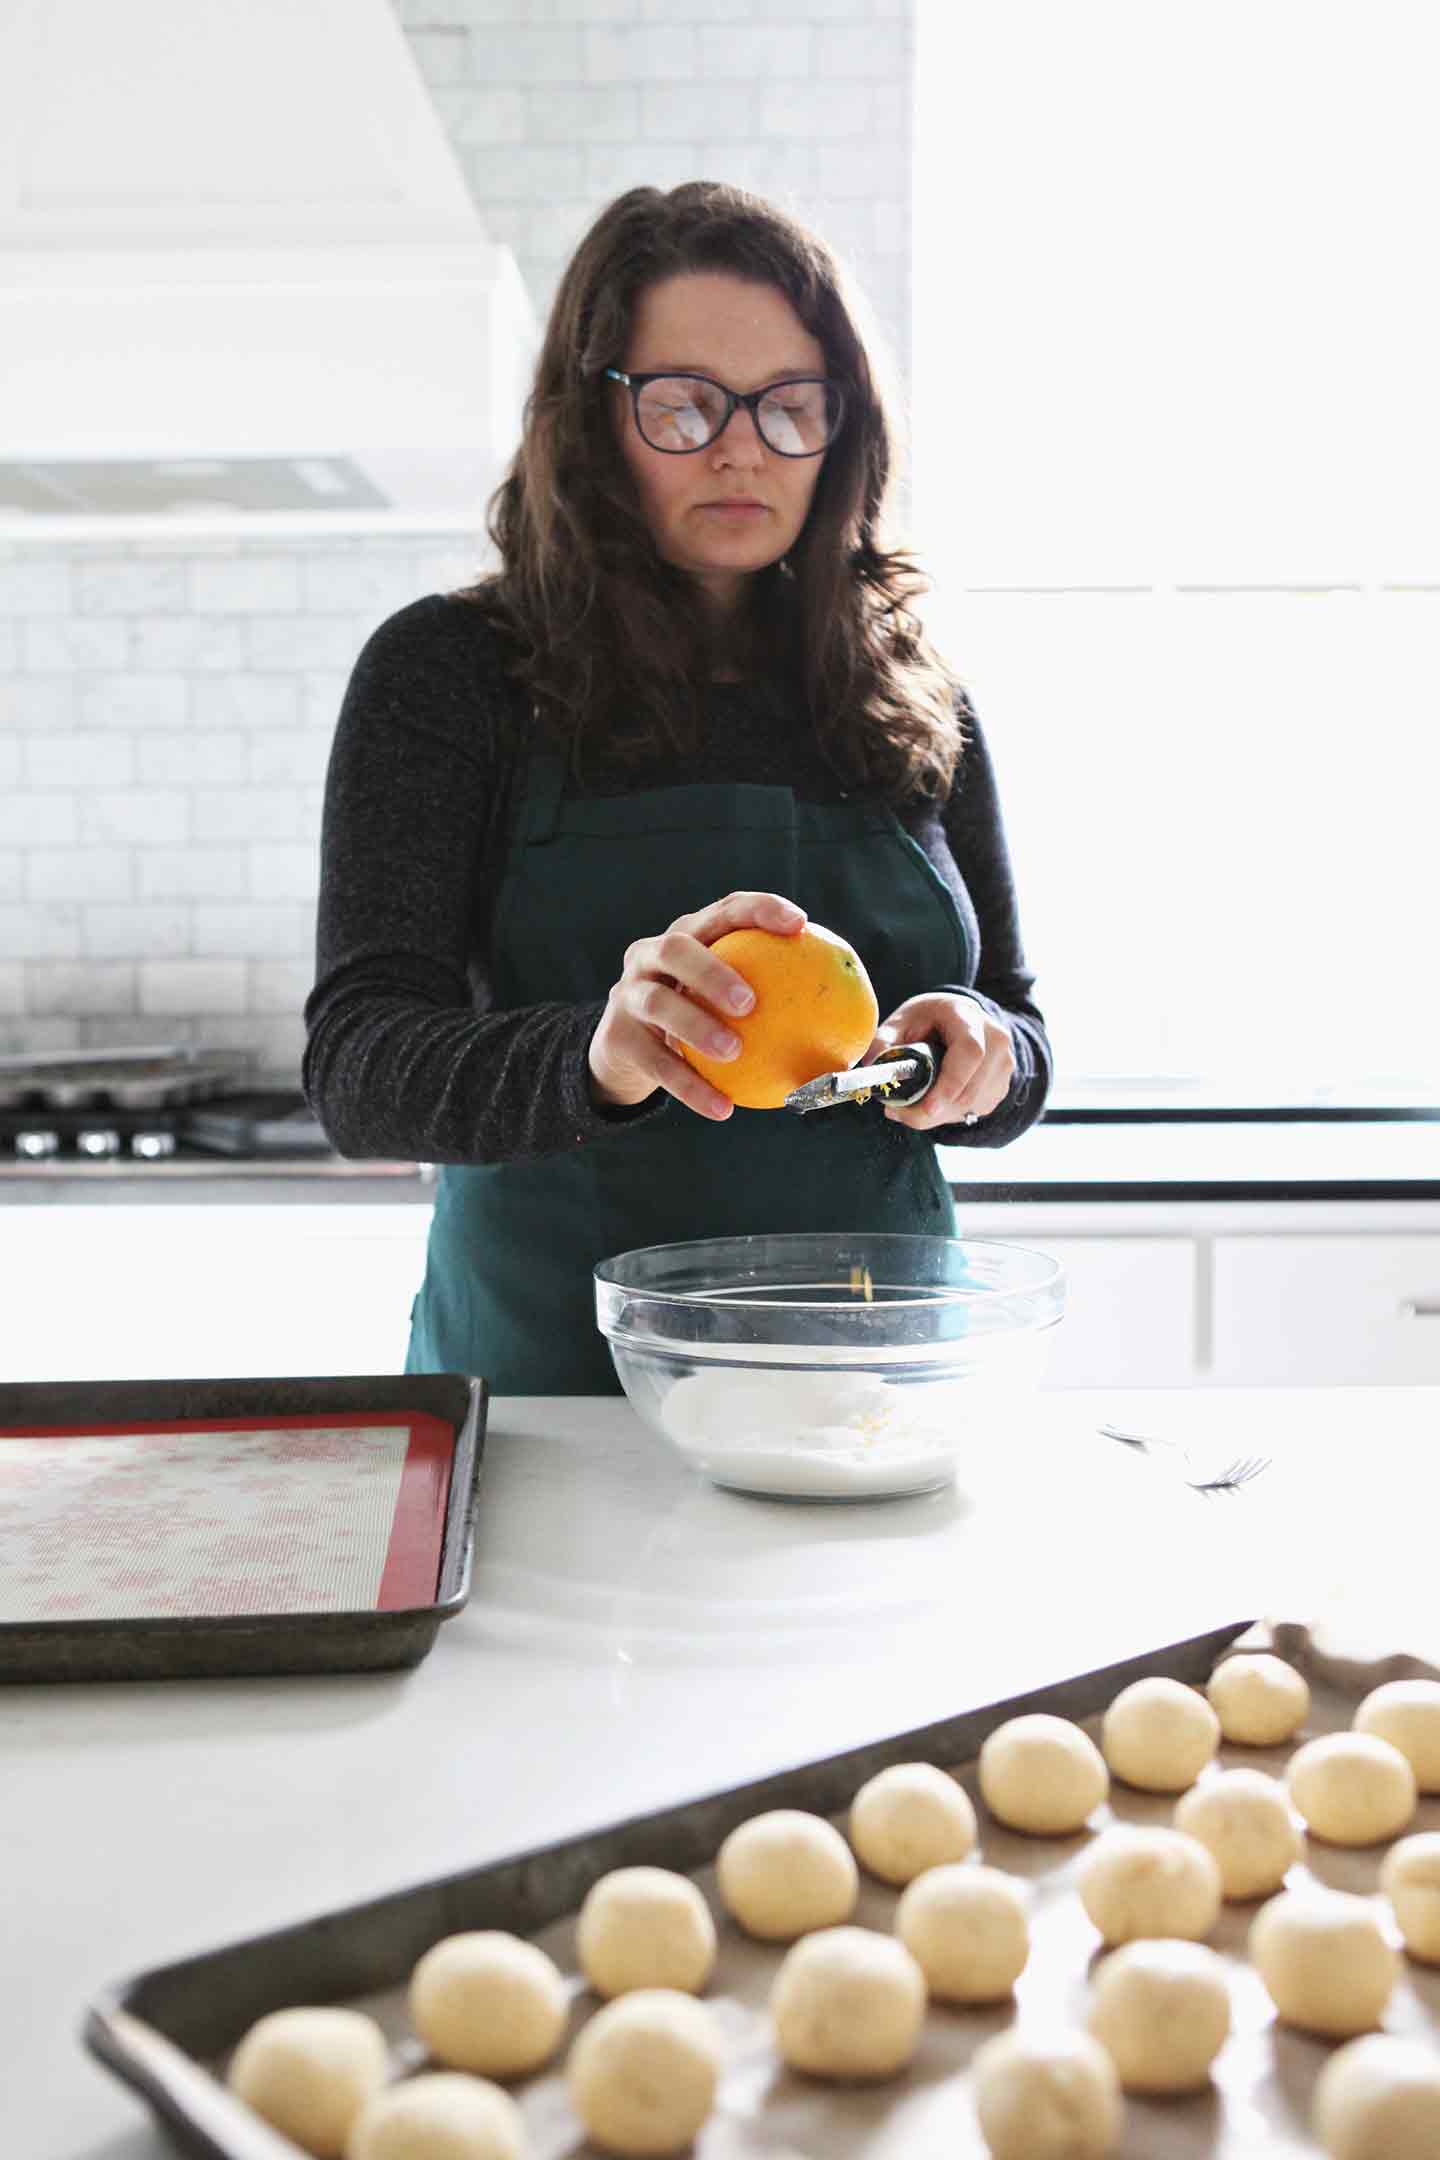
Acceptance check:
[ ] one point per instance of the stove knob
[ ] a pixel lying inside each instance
(152, 1146)
(97, 1140)
(35, 1145)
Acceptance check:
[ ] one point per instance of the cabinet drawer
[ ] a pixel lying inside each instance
(1129, 1311)
(1312, 1311)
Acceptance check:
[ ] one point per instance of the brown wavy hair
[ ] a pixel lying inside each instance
(611, 643)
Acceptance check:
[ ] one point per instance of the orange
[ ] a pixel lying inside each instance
(814, 1012)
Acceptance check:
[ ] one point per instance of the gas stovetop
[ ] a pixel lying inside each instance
(147, 1106)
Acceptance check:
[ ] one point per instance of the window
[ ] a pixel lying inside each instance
(1176, 463)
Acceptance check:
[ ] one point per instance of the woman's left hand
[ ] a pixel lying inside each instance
(976, 1070)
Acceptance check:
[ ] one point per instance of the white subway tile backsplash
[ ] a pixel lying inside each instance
(208, 873)
(192, 987)
(269, 1046)
(39, 932)
(12, 989)
(249, 929)
(10, 761)
(689, 112)
(579, 116)
(79, 873)
(245, 701)
(761, 52)
(191, 761)
(291, 759)
(611, 168)
(442, 56)
(36, 701)
(321, 698)
(194, 644)
(84, 760)
(12, 874)
(642, 53)
(829, 112)
(284, 872)
(60, 644)
(129, 585)
(280, 986)
(134, 930)
(357, 585)
(9, 648)
(861, 52)
(35, 587)
(247, 585)
(522, 172)
(134, 701)
(288, 643)
(136, 817)
(27, 1035)
(474, 115)
(71, 989)
(247, 813)
(34, 817)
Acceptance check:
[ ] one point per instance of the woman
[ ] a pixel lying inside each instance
(693, 697)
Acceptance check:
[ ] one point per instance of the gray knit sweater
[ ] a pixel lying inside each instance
(406, 1057)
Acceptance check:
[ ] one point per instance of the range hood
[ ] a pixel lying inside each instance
(242, 283)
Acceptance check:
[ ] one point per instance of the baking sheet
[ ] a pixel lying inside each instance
(209, 1528)
(164, 2032)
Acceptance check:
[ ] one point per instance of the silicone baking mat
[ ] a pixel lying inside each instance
(193, 1517)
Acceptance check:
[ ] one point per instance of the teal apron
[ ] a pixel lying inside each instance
(508, 1290)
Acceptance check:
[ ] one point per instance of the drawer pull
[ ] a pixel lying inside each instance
(1420, 1308)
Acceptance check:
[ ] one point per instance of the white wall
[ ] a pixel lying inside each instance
(165, 712)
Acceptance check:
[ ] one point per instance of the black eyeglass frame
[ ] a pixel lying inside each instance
(750, 399)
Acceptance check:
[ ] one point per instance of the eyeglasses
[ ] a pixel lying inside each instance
(683, 413)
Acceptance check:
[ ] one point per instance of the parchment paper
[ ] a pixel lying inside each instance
(1264, 2077)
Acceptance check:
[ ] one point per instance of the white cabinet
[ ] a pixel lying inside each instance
(1236, 1293)
(1297, 1310)
(156, 1292)
(1130, 1307)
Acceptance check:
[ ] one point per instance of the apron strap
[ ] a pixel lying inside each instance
(541, 796)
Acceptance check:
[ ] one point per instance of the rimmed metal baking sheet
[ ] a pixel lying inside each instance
(159, 2030)
(252, 1644)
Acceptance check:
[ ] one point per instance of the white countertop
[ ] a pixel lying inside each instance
(635, 1638)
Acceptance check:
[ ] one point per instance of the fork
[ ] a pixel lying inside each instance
(1229, 1480)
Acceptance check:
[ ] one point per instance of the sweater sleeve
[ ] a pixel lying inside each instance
(404, 1057)
(1003, 983)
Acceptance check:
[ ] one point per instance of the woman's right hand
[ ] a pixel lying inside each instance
(661, 1000)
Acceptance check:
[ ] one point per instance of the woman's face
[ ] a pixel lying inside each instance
(726, 511)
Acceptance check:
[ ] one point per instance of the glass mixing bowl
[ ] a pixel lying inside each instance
(821, 1367)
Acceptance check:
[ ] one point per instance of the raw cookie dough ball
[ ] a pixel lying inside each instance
(488, 2002)
(909, 1818)
(968, 1928)
(1162, 2009)
(644, 1927)
(1379, 2099)
(1159, 1735)
(1324, 1957)
(309, 2073)
(1047, 2096)
(848, 2003)
(642, 2074)
(784, 1873)
(444, 2115)
(1136, 1882)
(1259, 1699)
(1043, 1775)
(1410, 1878)
(1352, 1788)
(1407, 1714)
(1244, 1819)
